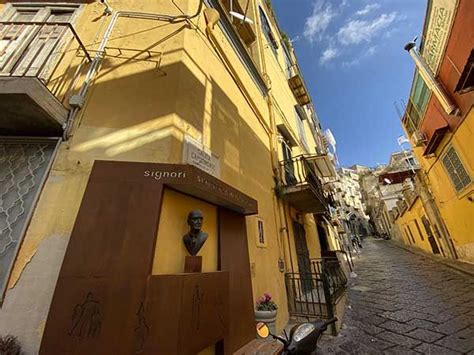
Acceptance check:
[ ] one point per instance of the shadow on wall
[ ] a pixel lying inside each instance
(145, 109)
(242, 151)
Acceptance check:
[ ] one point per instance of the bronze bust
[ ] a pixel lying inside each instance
(195, 238)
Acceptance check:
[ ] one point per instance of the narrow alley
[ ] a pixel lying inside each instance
(403, 303)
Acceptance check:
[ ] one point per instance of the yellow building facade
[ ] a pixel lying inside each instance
(414, 228)
(155, 82)
(439, 122)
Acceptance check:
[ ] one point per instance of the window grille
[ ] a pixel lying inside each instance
(455, 169)
(23, 166)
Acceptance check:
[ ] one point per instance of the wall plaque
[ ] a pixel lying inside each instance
(195, 154)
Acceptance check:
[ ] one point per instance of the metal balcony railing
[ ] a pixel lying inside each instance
(314, 289)
(297, 171)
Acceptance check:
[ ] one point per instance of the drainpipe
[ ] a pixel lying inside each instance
(434, 85)
(281, 209)
(77, 101)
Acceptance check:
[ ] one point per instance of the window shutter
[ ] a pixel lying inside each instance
(44, 44)
(455, 169)
(27, 33)
(7, 15)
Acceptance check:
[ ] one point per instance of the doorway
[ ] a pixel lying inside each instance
(323, 240)
(288, 166)
(429, 232)
(302, 254)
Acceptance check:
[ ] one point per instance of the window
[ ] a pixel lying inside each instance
(466, 81)
(299, 124)
(410, 161)
(408, 237)
(417, 102)
(419, 230)
(240, 49)
(411, 234)
(268, 31)
(23, 166)
(420, 93)
(261, 242)
(455, 169)
(288, 61)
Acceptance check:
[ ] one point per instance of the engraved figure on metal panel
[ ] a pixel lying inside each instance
(141, 330)
(195, 238)
(196, 307)
(86, 318)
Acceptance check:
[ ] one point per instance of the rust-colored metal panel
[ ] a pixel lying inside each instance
(181, 177)
(107, 302)
(103, 276)
(94, 316)
(115, 230)
(234, 257)
(186, 312)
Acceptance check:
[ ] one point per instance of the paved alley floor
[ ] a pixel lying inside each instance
(404, 303)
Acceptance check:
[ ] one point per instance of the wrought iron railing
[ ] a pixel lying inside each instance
(298, 171)
(313, 293)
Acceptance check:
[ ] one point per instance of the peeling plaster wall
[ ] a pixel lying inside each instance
(26, 305)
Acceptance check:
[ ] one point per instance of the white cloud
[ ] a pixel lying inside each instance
(356, 31)
(328, 55)
(316, 24)
(370, 52)
(367, 9)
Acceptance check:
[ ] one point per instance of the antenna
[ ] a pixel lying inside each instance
(397, 108)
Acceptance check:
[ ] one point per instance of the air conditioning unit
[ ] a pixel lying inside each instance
(418, 138)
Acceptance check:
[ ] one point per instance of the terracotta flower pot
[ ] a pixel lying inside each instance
(268, 317)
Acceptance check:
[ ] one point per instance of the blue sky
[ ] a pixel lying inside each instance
(352, 58)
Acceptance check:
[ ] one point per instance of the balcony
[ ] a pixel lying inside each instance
(300, 186)
(299, 90)
(30, 54)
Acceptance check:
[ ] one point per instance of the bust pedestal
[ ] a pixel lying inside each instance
(192, 263)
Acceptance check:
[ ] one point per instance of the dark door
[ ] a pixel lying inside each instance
(323, 240)
(429, 232)
(288, 166)
(302, 253)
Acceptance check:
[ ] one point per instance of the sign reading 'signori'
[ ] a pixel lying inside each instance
(439, 19)
(195, 154)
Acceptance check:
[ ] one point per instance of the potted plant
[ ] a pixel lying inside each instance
(9, 345)
(266, 311)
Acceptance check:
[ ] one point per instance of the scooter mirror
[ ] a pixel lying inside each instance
(262, 330)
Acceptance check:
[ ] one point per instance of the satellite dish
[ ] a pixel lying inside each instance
(239, 16)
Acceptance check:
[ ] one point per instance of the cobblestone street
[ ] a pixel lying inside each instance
(403, 303)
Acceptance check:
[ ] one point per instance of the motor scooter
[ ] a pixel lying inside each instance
(303, 338)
